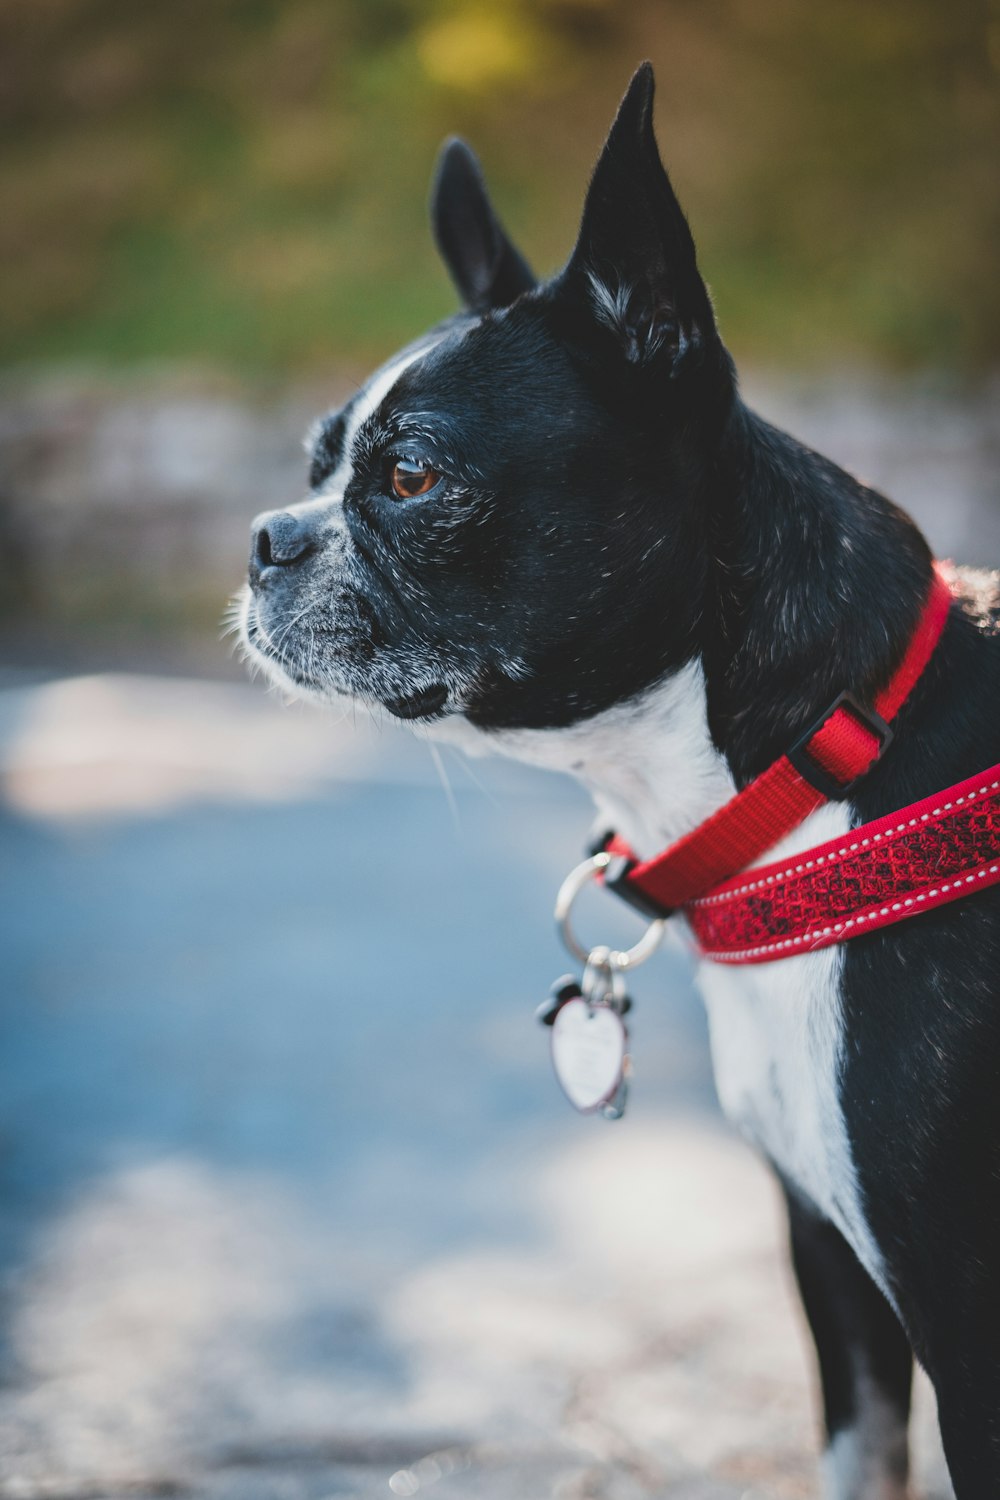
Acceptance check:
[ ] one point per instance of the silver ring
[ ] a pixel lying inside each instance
(576, 881)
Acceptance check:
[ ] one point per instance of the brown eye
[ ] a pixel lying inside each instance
(411, 477)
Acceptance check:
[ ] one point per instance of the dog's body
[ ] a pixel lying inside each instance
(552, 528)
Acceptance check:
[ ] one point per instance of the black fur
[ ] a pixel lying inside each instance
(486, 269)
(609, 510)
(858, 1336)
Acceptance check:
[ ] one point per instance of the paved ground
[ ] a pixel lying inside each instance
(290, 1207)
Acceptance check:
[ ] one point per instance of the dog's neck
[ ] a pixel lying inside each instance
(814, 584)
(649, 764)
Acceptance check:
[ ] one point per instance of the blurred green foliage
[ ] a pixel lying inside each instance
(244, 181)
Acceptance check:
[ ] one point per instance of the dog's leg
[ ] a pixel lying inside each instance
(967, 1383)
(865, 1363)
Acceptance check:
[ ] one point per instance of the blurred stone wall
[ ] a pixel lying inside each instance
(124, 508)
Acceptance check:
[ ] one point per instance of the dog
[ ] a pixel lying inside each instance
(552, 528)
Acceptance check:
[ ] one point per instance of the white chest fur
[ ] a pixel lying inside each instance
(776, 1029)
(777, 1049)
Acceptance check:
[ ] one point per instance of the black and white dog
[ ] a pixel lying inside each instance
(552, 527)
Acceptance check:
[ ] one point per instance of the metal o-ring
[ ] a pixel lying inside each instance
(576, 881)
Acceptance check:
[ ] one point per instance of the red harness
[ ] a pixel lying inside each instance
(907, 862)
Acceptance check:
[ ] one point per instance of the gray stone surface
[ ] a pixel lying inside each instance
(290, 1207)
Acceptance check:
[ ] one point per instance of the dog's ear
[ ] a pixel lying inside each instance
(486, 269)
(634, 262)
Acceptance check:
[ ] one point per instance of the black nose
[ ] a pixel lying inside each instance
(278, 540)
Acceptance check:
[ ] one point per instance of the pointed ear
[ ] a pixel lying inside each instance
(634, 261)
(486, 269)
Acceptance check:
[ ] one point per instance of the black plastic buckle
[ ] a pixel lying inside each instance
(810, 768)
(616, 878)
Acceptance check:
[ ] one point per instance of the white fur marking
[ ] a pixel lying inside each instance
(368, 402)
(649, 763)
(864, 1462)
(777, 1047)
(610, 304)
(776, 1029)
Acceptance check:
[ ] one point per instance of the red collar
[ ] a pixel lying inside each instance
(908, 862)
(832, 892)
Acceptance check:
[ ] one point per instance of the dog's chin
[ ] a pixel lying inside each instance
(259, 655)
(281, 675)
(426, 704)
(421, 706)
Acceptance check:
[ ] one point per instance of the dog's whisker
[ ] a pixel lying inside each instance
(439, 766)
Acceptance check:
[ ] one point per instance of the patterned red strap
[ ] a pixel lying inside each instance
(842, 747)
(925, 855)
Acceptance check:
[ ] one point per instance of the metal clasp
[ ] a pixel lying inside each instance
(617, 959)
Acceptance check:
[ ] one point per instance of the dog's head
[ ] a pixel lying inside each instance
(506, 522)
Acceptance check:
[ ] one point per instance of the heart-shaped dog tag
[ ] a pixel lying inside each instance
(589, 1049)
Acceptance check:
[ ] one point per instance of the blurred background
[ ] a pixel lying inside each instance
(289, 1204)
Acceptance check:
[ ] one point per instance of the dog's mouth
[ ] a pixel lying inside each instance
(259, 649)
(426, 703)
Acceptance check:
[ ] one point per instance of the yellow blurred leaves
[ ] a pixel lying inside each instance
(481, 45)
(239, 178)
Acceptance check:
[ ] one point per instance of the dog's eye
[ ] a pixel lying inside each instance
(411, 477)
